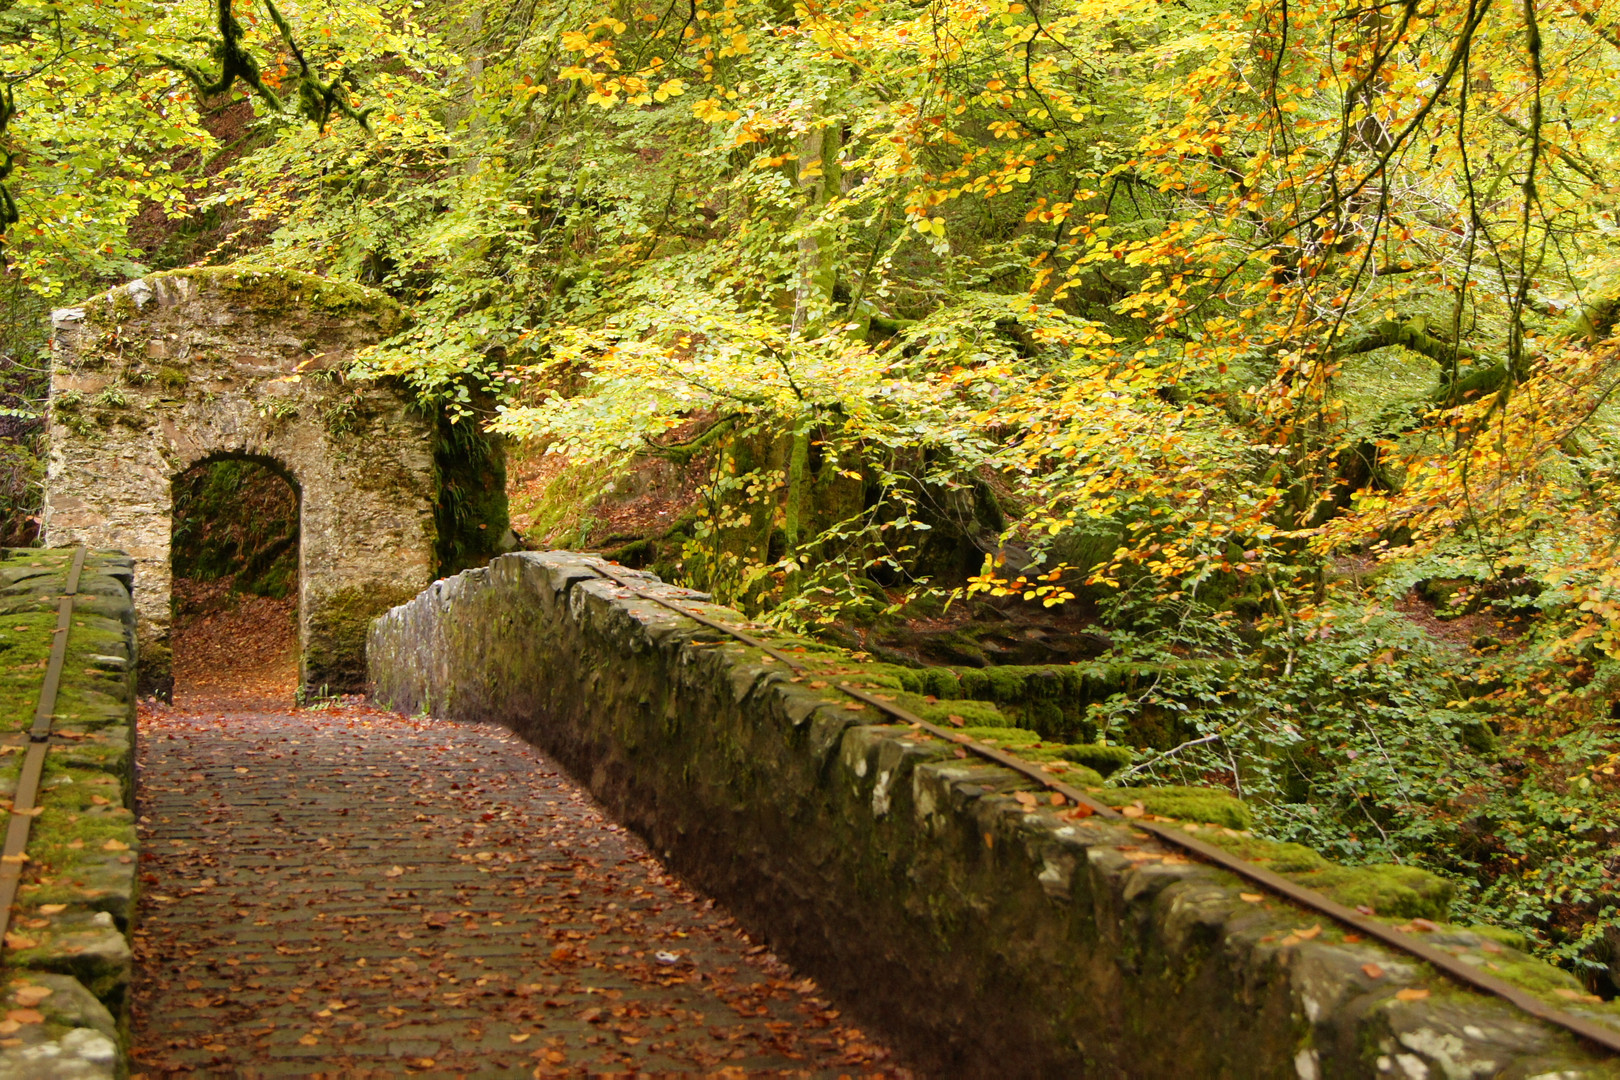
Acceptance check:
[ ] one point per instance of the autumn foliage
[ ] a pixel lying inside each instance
(1277, 334)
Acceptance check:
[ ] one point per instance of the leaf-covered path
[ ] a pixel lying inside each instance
(351, 893)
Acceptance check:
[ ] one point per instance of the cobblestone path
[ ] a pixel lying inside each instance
(348, 893)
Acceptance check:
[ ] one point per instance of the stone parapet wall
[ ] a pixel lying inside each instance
(66, 967)
(952, 908)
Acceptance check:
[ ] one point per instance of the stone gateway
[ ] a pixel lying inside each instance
(179, 368)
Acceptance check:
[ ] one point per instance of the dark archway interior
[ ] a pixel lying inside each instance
(234, 552)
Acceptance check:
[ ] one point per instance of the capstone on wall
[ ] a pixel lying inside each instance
(160, 374)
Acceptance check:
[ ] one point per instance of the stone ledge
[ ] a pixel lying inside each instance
(66, 968)
(987, 936)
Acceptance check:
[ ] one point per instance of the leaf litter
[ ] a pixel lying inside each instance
(383, 896)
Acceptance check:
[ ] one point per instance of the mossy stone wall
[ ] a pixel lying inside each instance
(943, 898)
(162, 373)
(67, 956)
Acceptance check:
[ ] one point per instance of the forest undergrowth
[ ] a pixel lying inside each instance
(1264, 350)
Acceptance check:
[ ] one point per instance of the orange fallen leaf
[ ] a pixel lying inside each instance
(523, 1037)
(1372, 971)
(957, 720)
(1133, 811)
(115, 845)
(29, 996)
(393, 871)
(307, 1040)
(1251, 897)
(17, 941)
(1308, 934)
(9, 1027)
(1411, 993)
(1058, 799)
(26, 1016)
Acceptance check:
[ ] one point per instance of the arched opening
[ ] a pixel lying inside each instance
(234, 552)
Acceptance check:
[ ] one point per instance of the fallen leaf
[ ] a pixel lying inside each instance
(52, 909)
(1132, 811)
(1411, 993)
(26, 1016)
(115, 845)
(8, 1027)
(957, 720)
(393, 871)
(307, 1040)
(524, 1037)
(1252, 897)
(1308, 934)
(17, 941)
(1372, 971)
(29, 996)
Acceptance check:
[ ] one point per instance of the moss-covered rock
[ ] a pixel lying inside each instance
(1184, 803)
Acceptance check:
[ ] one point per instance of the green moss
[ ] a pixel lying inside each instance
(172, 378)
(282, 290)
(953, 713)
(1184, 803)
(1405, 892)
(335, 653)
(1099, 756)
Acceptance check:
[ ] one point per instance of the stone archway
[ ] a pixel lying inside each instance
(156, 376)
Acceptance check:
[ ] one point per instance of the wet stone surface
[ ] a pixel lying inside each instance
(347, 892)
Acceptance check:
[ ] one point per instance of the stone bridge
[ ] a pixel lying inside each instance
(357, 893)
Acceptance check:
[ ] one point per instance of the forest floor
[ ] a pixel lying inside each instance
(348, 892)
